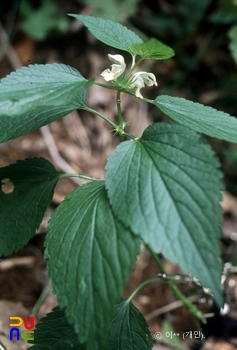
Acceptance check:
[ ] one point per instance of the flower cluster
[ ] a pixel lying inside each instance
(117, 68)
(138, 81)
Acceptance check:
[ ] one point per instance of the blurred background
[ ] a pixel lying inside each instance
(203, 35)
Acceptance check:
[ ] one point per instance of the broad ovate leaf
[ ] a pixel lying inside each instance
(53, 332)
(166, 187)
(198, 117)
(152, 49)
(129, 329)
(90, 255)
(26, 192)
(36, 95)
(110, 33)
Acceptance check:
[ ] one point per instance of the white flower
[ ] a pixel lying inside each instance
(140, 79)
(116, 70)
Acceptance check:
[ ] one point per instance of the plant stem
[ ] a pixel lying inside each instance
(41, 299)
(120, 117)
(79, 175)
(143, 284)
(149, 101)
(130, 135)
(101, 116)
(134, 65)
(118, 101)
(111, 87)
(192, 308)
(118, 128)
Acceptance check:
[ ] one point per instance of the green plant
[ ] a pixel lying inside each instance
(38, 23)
(162, 189)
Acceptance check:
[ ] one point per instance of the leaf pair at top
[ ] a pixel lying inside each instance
(119, 37)
(39, 94)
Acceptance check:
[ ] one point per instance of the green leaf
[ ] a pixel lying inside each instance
(166, 188)
(22, 210)
(90, 255)
(198, 117)
(36, 95)
(152, 49)
(110, 33)
(129, 329)
(38, 23)
(53, 332)
(232, 34)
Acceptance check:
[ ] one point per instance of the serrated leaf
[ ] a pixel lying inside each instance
(129, 330)
(198, 117)
(166, 188)
(36, 95)
(90, 255)
(53, 332)
(110, 33)
(152, 49)
(22, 210)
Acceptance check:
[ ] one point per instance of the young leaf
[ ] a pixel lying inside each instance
(36, 95)
(152, 49)
(129, 329)
(22, 210)
(166, 188)
(53, 332)
(110, 33)
(198, 117)
(90, 255)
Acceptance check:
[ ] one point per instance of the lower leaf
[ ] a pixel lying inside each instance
(129, 329)
(90, 255)
(22, 210)
(53, 332)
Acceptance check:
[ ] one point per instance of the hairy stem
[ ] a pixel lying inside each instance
(143, 284)
(120, 128)
(101, 116)
(81, 176)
